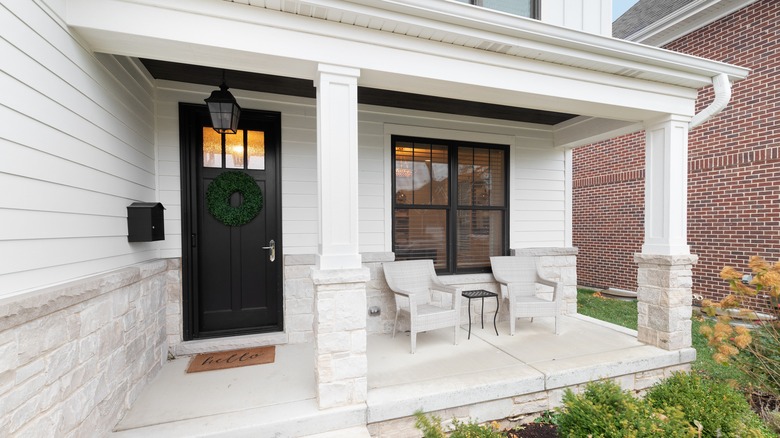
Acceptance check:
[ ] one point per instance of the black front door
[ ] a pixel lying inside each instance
(231, 225)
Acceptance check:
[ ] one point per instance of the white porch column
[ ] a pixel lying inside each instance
(337, 167)
(341, 366)
(666, 187)
(664, 275)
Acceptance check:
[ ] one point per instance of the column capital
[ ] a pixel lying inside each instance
(666, 118)
(335, 70)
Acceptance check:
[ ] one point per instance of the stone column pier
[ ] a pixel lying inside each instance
(341, 364)
(665, 297)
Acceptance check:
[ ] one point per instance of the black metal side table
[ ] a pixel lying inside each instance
(481, 293)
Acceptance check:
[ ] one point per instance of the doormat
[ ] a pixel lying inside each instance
(232, 359)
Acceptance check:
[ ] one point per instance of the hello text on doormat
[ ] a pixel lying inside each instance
(232, 359)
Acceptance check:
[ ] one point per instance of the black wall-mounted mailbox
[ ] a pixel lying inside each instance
(145, 222)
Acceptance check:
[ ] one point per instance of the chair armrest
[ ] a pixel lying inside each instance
(447, 289)
(403, 293)
(454, 291)
(554, 284)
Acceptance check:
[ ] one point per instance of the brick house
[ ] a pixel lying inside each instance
(351, 112)
(734, 159)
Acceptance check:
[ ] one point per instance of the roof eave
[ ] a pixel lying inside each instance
(470, 17)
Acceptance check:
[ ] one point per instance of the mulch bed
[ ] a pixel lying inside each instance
(534, 430)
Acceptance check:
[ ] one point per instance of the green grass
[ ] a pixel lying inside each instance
(624, 313)
(614, 311)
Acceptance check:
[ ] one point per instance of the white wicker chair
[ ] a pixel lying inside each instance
(518, 277)
(413, 281)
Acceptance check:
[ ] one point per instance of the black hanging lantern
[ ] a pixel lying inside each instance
(224, 109)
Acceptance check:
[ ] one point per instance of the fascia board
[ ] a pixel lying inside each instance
(436, 65)
(497, 23)
(686, 20)
(526, 35)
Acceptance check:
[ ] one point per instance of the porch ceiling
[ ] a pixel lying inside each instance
(196, 74)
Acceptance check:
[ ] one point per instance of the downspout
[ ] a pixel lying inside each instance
(722, 88)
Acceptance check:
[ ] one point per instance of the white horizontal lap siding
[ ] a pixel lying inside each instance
(300, 213)
(77, 147)
(372, 192)
(537, 196)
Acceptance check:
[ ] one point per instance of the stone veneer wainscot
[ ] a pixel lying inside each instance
(74, 357)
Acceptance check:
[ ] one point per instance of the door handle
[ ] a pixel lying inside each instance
(271, 247)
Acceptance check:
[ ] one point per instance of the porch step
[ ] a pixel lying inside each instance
(352, 432)
(288, 420)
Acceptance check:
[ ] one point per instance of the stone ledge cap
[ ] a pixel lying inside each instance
(374, 257)
(19, 309)
(666, 260)
(340, 276)
(546, 251)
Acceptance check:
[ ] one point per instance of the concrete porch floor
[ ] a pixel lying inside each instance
(279, 399)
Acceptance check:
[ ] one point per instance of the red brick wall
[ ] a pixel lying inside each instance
(734, 168)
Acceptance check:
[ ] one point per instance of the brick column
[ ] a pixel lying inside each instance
(664, 295)
(341, 365)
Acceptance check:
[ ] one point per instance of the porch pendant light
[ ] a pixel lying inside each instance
(224, 109)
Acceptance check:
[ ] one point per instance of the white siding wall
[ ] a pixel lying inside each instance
(538, 198)
(76, 148)
(594, 16)
(537, 184)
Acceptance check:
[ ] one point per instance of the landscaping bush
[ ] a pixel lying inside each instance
(756, 353)
(604, 410)
(717, 407)
(431, 428)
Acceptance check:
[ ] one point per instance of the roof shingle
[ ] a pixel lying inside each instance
(643, 14)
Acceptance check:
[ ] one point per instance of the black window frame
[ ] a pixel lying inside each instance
(535, 8)
(452, 207)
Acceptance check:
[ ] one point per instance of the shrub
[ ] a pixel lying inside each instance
(431, 428)
(754, 352)
(717, 407)
(604, 410)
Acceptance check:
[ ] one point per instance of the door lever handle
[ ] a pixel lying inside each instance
(272, 247)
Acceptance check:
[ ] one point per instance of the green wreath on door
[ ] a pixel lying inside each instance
(222, 188)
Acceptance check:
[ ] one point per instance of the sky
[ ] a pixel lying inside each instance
(620, 6)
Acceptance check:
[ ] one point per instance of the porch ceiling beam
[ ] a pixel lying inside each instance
(581, 131)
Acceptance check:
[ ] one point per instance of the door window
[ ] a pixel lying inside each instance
(243, 150)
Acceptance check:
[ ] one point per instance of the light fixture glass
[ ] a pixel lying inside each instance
(224, 110)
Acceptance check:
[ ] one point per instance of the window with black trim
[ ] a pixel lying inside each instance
(450, 202)
(523, 8)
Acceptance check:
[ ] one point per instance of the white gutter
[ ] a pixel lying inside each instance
(722, 88)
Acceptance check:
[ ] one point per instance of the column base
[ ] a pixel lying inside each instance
(665, 299)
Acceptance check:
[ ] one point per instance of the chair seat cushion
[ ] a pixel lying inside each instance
(530, 299)
(428, 309)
